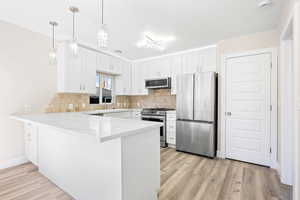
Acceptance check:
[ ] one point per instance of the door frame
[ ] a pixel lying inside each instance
(274, 86)
(288, 104)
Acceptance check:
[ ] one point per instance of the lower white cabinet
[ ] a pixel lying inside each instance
(171, 128)
(122, 115)
(136, 114)
(131, 114)
(31, 143)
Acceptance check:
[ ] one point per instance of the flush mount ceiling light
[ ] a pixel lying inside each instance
(52, 53)
(154, 42)
(74, 44)
(264, 3)
(103, 31)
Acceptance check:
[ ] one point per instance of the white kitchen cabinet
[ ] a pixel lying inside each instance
(76, 74)
(176, 69)
(114, 66)
(102, 62)
(108, 64)
(136, 114)
(31, 143)
(209, 60)
(139, 75)
(131, 114)
(121, 115)
(171, 128)
(158, 68)
(192, 62)
(123, 81)
(88, 73)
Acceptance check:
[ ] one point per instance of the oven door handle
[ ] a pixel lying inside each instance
(152, 117)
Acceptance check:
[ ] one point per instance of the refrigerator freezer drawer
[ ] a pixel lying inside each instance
(196, 137)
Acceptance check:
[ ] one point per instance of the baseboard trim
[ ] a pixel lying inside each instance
(221, 154)
(13, 162)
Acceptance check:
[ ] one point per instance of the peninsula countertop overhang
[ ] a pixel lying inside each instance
(102, 128)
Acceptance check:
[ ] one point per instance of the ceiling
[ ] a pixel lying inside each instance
(194, 23)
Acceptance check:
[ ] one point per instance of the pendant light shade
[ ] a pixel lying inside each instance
(73, 43)
(102, 35)
(52, 52)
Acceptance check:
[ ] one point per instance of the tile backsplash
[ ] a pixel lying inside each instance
(156, 99)
(80, 102)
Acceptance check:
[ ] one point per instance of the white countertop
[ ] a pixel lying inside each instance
(103, 128)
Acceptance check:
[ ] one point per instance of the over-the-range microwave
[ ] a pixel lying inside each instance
(160, 83)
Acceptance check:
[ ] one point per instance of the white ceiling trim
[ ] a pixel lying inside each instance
(176, 53)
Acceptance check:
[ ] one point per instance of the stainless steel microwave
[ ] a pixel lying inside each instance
(161, 83)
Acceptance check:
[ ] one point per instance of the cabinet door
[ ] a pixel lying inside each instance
(139, 74)
(123, 81)
(210, 60)
(31, 143)
(176, 69)
(192, 62)
(72, 72)
(88, 68)
(127, 78)
(114, 65)
(158, 68)
(102, 63)
(171, 128)
(165, 67)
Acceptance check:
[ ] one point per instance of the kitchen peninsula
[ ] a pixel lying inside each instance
(94, 157)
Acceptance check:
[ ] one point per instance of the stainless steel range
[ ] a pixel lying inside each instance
(157, 115)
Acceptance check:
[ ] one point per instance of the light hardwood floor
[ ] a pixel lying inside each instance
(183, 177)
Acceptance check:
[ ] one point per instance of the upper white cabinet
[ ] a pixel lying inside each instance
(76, 74)
(123, 81)
(158, 68)
(108, 64)
(202, 60)
(176, 69)
(88, 73)
(192, 62)
(209, 60)
(139, 75)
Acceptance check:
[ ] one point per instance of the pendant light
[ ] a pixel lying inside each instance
(74, 44)
(102, 32)
(52, 52)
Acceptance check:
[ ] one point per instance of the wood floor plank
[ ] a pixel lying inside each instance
(183, 177)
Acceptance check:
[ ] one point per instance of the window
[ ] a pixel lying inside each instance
(105, 87)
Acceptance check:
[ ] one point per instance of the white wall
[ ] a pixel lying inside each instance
(286, 12)
(25, 79)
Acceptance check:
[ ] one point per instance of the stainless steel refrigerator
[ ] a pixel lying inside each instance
(196, 108)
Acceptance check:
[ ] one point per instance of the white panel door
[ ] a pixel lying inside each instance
(248, 112)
